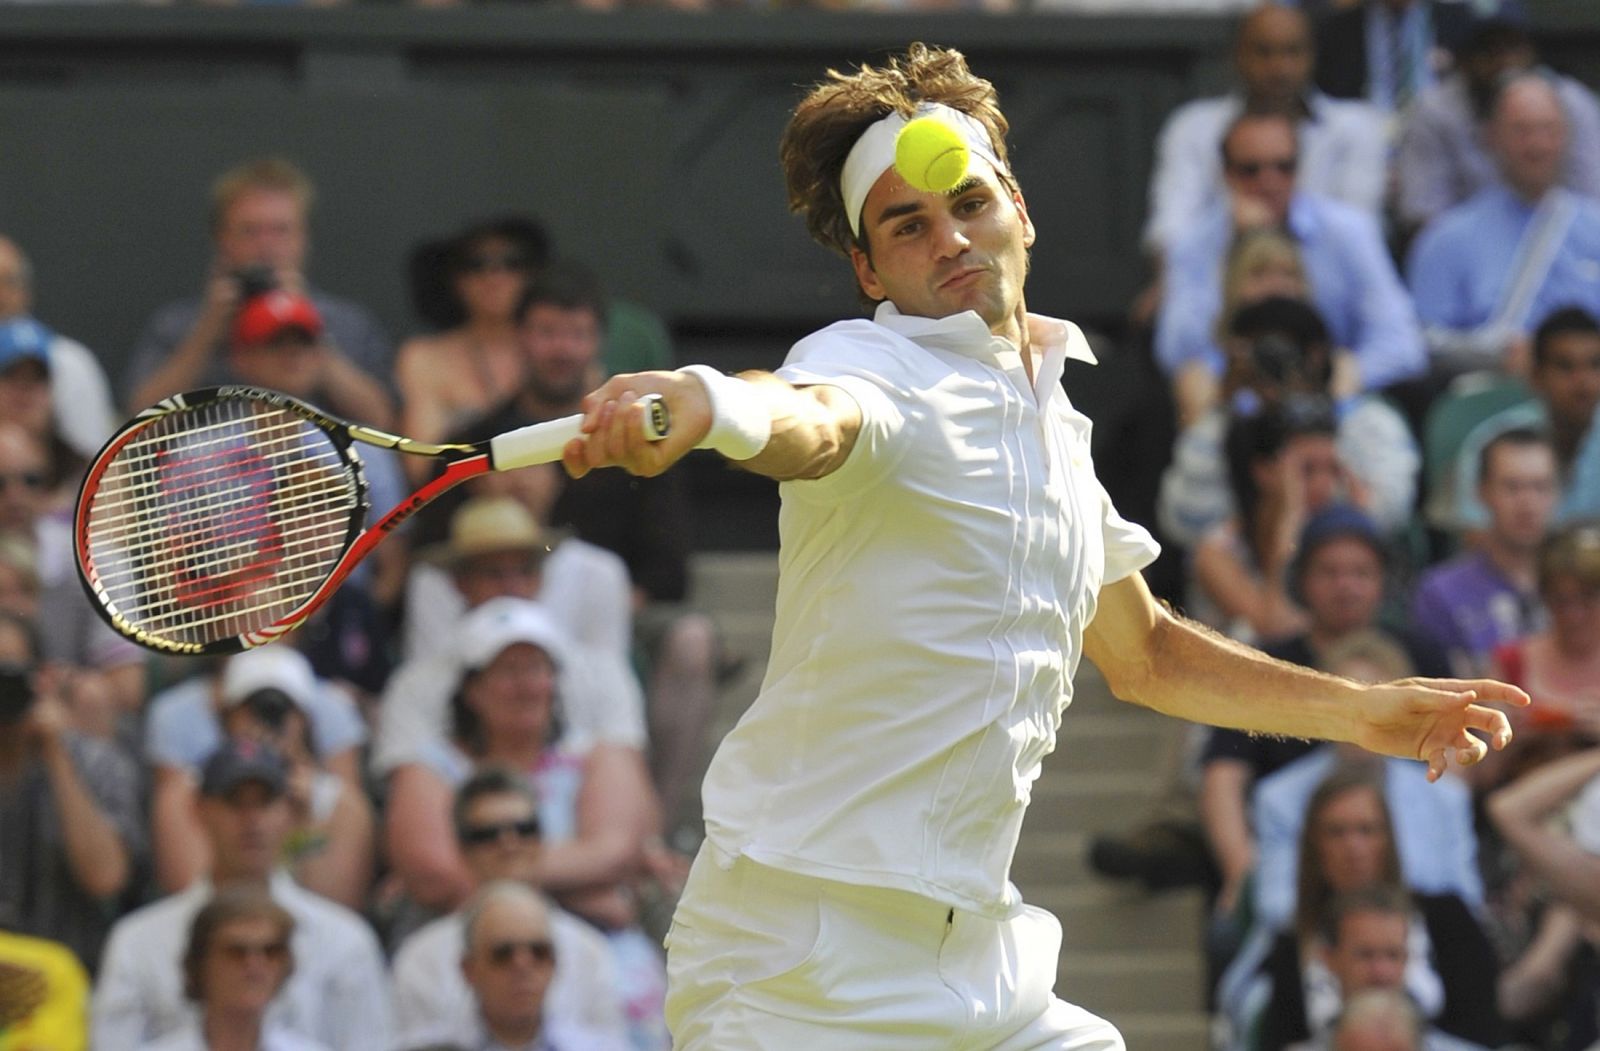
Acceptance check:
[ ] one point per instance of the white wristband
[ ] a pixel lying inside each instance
(741, 421)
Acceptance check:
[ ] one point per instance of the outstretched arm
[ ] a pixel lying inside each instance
(1153, 658)
(812, 428)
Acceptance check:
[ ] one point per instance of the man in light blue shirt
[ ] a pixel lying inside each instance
(1440, 160)
(1486, 272)
(1341, 141)
(1353, 284)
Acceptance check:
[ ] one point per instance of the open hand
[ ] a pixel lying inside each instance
(1431, 720)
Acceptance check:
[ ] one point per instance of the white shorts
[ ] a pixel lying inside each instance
(759, 958)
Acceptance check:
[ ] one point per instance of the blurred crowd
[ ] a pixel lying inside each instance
(447, 812)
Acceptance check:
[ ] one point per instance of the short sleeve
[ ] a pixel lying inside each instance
(828, 360)
(1129, 546)
(181, 729)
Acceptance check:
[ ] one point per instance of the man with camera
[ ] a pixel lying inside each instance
(258, 227)
(69, 809)
(1352, 281)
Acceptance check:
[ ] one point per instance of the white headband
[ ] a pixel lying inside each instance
(873, 153)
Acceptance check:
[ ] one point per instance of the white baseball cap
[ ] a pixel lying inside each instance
(274, 667)
(488, 629)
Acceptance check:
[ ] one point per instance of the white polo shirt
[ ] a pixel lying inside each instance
(932, 599)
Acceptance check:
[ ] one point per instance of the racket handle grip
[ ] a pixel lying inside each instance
(543, 442)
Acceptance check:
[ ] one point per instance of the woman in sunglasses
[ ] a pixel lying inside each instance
(467, 290)
(237, 960)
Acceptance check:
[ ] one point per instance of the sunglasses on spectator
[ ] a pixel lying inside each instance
(26, 479)
(239, 952)
(480, 262)
(503, 954)
(478, 835)
(1250, 169)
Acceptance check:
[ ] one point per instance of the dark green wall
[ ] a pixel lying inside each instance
(646, 141)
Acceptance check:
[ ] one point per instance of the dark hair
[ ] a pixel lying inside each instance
(1491, 37)
(567, 286)
(433, 266)
(834, 114)
(1559, 323)
(227, 906)
(1252, 117)
(1261, 436)
(1516, 437)
(1391, 899)
(1314, 893)
(489, 781)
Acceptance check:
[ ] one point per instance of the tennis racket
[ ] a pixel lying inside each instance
(217, 520)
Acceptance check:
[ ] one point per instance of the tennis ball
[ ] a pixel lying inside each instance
(931, 155)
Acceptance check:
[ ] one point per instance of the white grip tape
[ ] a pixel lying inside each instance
(543, 442)
(741, 421)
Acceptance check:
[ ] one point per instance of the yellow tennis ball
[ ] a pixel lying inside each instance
(931, 155)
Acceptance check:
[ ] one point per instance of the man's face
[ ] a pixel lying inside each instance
(291, 362)
(25, 395)
(935, 255)
(1261, 162)
(262, 227)
(16, 298)
(560, 347)
(514, 695)
(509, 963)
(23, 478)
(497, 574)
(1370, 953)
(500, 838)
(1343, 585)
(1274, 56)
(245, 965)
(1528, 136)
(1567, 378)
(1519, 491)
(1350, 840)
(246, 829)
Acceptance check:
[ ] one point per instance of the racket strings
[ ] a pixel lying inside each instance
(218, 520)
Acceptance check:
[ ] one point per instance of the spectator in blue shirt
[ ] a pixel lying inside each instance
(1485, 272)
(1353, 284)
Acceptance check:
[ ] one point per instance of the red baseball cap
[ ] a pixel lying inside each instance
(264, 318)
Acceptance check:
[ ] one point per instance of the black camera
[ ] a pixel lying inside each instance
(255, 280)
(16, 692)
(1276, 357)
(271, 706)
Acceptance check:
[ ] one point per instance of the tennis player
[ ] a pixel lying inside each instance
(947, 557)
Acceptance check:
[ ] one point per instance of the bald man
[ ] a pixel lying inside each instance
(1341, 142)
(1487, 272)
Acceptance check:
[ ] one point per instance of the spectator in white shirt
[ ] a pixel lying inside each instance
(508, 959)
(338, 995)
(1341, 141)
(237, 961)
(497, 826)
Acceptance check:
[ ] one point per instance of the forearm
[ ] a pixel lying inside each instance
(813, 429)
(357, 395)
(95, 853)
(1196, 674)
(1223, 786)
(187, 363)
